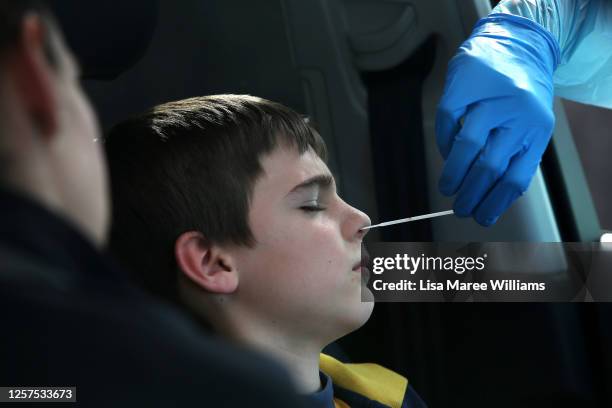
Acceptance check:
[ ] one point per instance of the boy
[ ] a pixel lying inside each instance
(225, 205)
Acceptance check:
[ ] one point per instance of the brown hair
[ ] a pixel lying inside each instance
(191, 165)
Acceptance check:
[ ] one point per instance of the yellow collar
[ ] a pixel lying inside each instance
(370, 380)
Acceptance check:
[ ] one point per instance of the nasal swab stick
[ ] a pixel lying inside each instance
(418, 217)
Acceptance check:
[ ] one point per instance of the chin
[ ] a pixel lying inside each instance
(367, 309)
(359, 315)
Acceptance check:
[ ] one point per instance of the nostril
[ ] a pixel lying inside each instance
(360, 220)
(362, 232)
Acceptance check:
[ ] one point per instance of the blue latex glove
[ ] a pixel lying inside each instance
(501, 83)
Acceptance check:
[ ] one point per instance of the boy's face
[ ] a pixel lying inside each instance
(303, 273)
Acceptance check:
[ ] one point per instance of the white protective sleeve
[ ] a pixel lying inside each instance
(583, 29)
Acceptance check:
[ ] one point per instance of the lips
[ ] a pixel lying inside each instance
(363, 262)
(365, 275)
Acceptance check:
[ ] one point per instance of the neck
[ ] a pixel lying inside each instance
(298, 354)
(25, 166)
(32, 170)
(302, 363)
(29, 175)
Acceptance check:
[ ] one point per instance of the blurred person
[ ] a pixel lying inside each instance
(69, 316)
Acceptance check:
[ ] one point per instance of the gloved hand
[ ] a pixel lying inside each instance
(495, 117)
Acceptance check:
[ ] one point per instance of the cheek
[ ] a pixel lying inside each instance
(305, 255)
(89, 123)
(86, 133)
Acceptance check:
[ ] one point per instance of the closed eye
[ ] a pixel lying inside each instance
(312, 207)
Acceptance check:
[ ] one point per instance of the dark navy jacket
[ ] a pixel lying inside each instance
(70, 318)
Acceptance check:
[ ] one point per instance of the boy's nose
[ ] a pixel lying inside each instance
(353, 222)
(363, 222)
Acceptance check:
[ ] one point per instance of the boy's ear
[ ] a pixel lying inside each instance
(34, 76)
(208, 266)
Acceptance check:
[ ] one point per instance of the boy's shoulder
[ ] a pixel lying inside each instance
(361, 384)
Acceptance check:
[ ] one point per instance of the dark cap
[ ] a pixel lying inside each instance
(107, 37)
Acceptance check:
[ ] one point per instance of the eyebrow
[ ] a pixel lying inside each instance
(322, 181)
